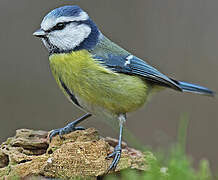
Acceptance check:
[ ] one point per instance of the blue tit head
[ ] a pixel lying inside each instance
(67, 29)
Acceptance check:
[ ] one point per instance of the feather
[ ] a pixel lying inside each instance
(194, 88)
(132, 65)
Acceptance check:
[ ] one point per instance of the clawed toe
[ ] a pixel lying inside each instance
(117, 155)
(69, 128)
(62, 131)
(79, 128)
(56, 132)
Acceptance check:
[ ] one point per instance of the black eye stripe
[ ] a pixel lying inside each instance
(58, 26)
(78, 22)
(62, 25)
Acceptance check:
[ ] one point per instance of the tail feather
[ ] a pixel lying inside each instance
(194, 88)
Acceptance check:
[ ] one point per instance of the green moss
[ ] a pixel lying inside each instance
(50, 150)
(5, 171)
(8, 141)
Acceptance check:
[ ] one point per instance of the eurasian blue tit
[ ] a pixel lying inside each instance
(96, 74)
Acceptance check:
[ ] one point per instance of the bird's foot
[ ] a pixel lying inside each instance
(65, 130)
(116, 154)
(69, 128)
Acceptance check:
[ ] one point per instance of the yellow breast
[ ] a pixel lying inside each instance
(97, 85)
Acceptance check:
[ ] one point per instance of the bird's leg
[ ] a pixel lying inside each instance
(69, 127)
(116, 154)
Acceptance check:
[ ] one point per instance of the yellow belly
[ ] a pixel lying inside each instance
(96, 85)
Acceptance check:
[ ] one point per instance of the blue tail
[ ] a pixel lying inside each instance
(193, 88)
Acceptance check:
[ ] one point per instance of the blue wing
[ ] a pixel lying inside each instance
(134, 66)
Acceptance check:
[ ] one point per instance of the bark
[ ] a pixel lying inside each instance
(79, 154)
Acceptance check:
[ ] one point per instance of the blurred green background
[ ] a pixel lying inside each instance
(180, 38)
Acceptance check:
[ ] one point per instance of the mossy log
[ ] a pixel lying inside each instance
(80, 154)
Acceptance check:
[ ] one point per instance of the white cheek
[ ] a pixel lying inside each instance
(70, 37)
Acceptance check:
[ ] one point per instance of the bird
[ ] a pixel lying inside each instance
(97, 75)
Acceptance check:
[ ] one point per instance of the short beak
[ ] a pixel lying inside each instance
(39, 33)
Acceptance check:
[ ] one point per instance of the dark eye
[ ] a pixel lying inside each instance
(59, 26)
